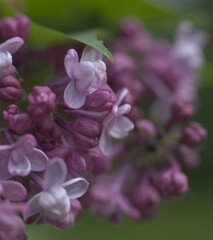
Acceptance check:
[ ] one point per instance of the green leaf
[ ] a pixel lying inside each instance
(41, 36)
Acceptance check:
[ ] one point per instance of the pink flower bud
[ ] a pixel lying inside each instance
(173, 183)
(181, 111)
(18, 122)
(75, 162)
(41, 101)
(86, 133)
(193, 134)
(14, 27)
(8, 28)
(47, 133)
(10, 89)
(100, 100)
(146, 127)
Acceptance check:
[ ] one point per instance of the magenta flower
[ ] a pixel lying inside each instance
(115, 125)
(8, 48)
(20, 158)
(17, 121)
(41, 101)
(86, 76)
(54, 199)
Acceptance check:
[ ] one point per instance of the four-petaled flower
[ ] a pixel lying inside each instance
(55, 197)
(86, 76)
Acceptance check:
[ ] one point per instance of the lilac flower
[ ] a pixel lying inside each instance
(108, 197)
(86, 133)
(115, 125)
(14, 27)
(193, 134)
(12, 190)
(173, 183)
(101, 100)
(41, 101)
(20, 158)
(10, 89)
(8, 48)
(54, 199)
(18, 122)
(11, 226)
(86, 76)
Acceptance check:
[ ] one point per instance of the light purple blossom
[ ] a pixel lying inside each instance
(7, 49)
(115, 125)
(54, 199)
(20, 158)
(86, 76)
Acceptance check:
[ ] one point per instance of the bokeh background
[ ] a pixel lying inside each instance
(185, 218)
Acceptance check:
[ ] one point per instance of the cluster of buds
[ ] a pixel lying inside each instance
(67, 143)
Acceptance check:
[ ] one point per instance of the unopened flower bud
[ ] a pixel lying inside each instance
(47, 133)
(75, 162)
(23, 26)
(146, 127)
(181, 111)
(10, 89)
(86, 133)
(100, 100)
(14, 27)
(193, 134)
(18, 122)
(173, 183)
(41, 101)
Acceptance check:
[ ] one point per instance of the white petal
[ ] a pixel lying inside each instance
(91, 54)
(38, 160)
(34, 206)
(83, 74)
(5, 59)
(12, 45)
(70, 60)
(105, 143)
(55, 173)
(76, 187)
(124, 109)
(21, 168)
(72, 97)
(120, 127)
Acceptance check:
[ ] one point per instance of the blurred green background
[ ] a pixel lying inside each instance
(187, 218)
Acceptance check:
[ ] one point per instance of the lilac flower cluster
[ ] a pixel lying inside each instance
(124, 129)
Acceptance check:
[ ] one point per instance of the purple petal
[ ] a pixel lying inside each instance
(126, 207)
(124, 109)
(100, 76)
(91, 54)
(12, 45)
(21, 168)
(83, 73)
(76, 187)
(4, 151)
(34, 206)
(70, 60)
(4, 174)
(38, 160)
(120, 127)
(55, 173)
(105, 143)
(13, 190)
(72, 97)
